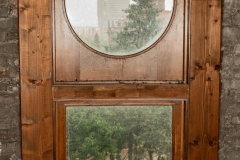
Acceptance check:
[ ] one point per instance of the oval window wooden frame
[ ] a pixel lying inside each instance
(124, 55)
(74, 63)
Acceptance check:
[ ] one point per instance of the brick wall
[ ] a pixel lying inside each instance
(9, 81)
(230, 77)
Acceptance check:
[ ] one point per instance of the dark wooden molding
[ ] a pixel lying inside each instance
(120, 91)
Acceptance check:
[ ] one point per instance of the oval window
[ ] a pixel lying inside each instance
(119, 27)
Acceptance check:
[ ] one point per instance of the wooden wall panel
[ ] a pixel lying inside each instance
(96, 67)
(203, 112)
(171, 51)
(74, 62)
(35, 74)
(67, 57)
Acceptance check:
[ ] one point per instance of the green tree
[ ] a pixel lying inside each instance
(141, 25)
(148, 130)
(100, 132)
(91, 136)
(96, 41)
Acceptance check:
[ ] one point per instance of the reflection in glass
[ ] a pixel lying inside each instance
(119, 133)
(119, 27)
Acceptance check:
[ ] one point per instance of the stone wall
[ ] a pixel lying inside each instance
(230, 77)
(9, 81)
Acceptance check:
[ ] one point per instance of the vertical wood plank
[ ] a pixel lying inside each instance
(61, 131)
(213, 79)
(178, 127)
(204, 80)
(35, 74)
(195, 112)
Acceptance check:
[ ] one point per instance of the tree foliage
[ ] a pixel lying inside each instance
(96, 41)
(141, 25)
(99, 132)
(91, 136)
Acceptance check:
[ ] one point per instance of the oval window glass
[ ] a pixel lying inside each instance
(119, 27)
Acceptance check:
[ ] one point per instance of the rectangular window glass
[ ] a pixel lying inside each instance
(119, 132)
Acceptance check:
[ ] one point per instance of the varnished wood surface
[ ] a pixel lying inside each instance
(178, 130)
(60, 136)
(38, 94)
(177, 121)
(36, 80)
(120, 91)
(76, 63)
(204, 84)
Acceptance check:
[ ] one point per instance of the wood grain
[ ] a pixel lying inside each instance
(60, 131)
(76, 63)
(121, 91)
(171, 51)
(178, 130)
(38, 94)
(66, 60)
(35, 74)
(204, 85)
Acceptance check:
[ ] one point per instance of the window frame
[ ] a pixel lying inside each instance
(178, 110)
(38, 92)
(83, 64)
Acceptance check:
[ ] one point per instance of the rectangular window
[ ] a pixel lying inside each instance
(119, 132)
(119, 129)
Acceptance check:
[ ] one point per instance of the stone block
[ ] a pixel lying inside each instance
(11, 35)
(236, 49)
(227, 17)
(3, 62)
(231, 35)
(3, 87)
(9, 23)
(9, 49)
(4, 11)
(237, 61)
(3, 1)
(236, 19)
(8, 35)
(235, 84)
(228, 4)
(2, 35)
